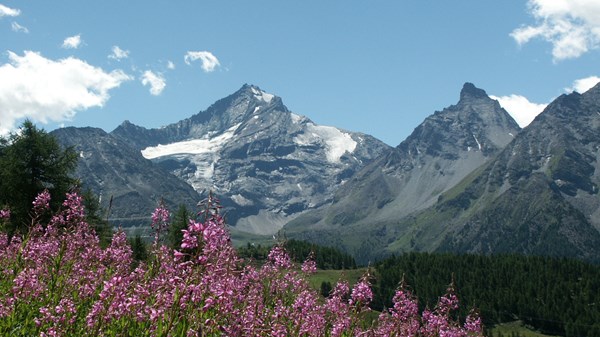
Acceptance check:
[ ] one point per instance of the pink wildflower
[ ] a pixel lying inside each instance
(279, 257)
(309, 266)
(5, 214)
(41, 202)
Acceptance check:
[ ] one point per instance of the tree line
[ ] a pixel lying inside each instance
(31, 161)
(555, 296)
(325, 257)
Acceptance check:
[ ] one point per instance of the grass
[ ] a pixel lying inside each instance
(513, 328)
(332, 276)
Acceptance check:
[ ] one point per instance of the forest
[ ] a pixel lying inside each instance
(555, 296)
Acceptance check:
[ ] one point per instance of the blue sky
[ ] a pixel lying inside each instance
(378, 67)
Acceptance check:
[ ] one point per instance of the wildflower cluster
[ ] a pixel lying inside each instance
(58, 281)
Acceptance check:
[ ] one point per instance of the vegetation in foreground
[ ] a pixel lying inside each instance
(56, 280)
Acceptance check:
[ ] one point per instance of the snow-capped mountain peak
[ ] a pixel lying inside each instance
(266, 163)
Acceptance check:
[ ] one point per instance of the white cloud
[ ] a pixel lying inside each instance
(118, 53)
(6, 11)
(18, 28)
(156, 81)
(571, 26)
(170, 65)
(72, 42)
(208, 60)
(520, 108)
(32, 86)
(584, 84)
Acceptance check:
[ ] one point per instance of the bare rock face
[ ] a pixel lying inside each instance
(540, 195)
(443, 150)
(117, 172)
(460, 184)
(266, 163)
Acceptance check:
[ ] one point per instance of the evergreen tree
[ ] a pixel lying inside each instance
(139, 250)
(31, 161)
(181, 220)
(326, 288)
(94, 216)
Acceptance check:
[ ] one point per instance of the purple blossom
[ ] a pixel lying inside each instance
(362, 293)
(160, 221)
(279, 257)
(5, 214)
(309, 266)
(41, 202)
(62, 281)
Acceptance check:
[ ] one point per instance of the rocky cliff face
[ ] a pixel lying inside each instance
(114, 170)
(447, 147)
(540, 196)
(267, 164)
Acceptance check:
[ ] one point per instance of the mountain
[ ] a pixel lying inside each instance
(536, 195)
(448, 146)
(266, 163)
(114, 170)
(540, 195)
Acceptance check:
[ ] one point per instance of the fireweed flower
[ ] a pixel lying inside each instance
(309, 266)
(58, 281)
(362, 293)
(160, 220)
(41, 202)
(5, 214)
(279, 257)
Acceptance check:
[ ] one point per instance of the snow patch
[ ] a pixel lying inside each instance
(263, 96)
(256, 109)
(204, 153)
(194, 146)
(296, 118)
(478, 144)
(336, 142)
(241, 200)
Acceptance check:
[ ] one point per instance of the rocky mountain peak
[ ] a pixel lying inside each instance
(470, 91)
(475, 123)
(266, 163)
(255, 94)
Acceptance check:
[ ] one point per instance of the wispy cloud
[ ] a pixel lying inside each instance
(520, 108)
(208, 60)
(72, 42)
(583, 84)
(170, 65)
(156, 82)
(571, 26)
(32, 86)
(7, 11)
(118, 53)
(18, 28)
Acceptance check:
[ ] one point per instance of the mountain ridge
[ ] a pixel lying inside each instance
(467, 179)
(265, 162)
(441, 151)
(536, 195)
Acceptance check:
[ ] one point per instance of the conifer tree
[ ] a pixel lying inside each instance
(31, 160)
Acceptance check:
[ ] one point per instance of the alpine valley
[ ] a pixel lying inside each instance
(467, 179)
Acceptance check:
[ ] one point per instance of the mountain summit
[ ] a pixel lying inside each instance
(266, 163)
(540, 195)
(440, 152)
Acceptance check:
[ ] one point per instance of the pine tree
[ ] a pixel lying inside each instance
(31, 161)
(181, 220)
